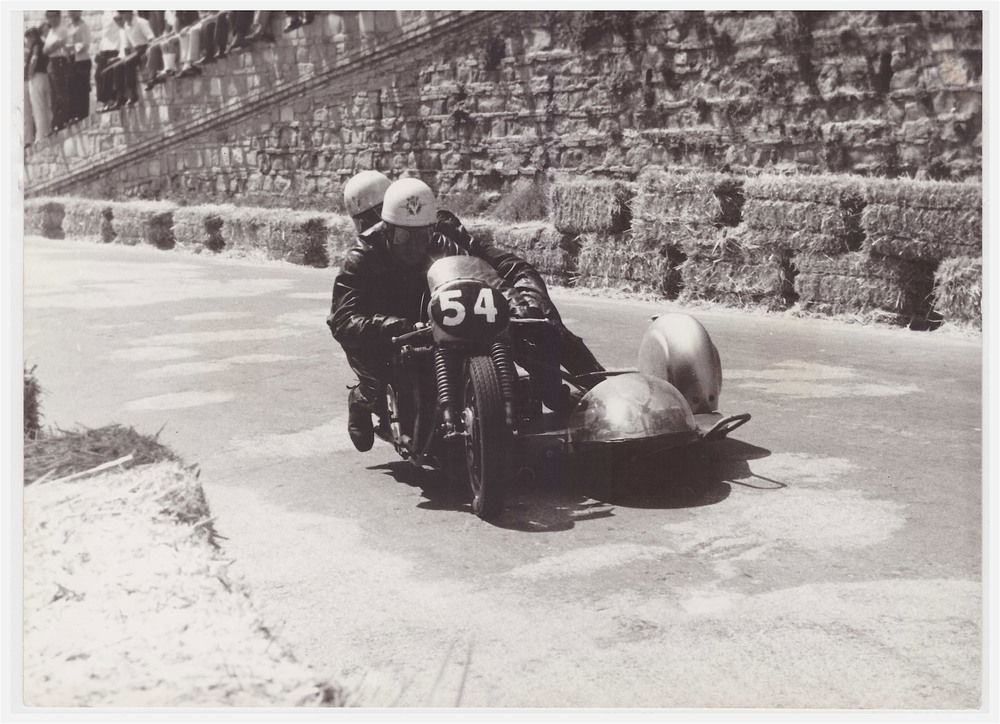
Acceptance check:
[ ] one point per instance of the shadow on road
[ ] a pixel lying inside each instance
(555, 494)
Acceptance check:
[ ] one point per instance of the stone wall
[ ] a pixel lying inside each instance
(474, 101)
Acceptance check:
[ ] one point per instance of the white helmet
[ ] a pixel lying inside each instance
(409, 202)
(364, 191)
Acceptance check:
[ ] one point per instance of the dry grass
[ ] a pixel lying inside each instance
(922, 233)
(57, 455)
(538, 243)
(128, 603)
(859, 282)
(958, 290)
(584, 206)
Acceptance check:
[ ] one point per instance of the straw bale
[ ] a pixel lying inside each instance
(200, 225)
(618, 261)
(149, 222)
(168, 624)
(829, 189)
(341, 235)
(808, 216)
(862, 282)
(583, 206)
(44, 216)
(689, 197)
(551, 252)
(738, 275)
(296, 236)
(958, 290)
(921, 233)
(924, 194)
(85, 217)
(527, 200)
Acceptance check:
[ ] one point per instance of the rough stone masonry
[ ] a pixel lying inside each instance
(474, 101)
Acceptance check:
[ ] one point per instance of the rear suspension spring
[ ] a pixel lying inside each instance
(505, 369)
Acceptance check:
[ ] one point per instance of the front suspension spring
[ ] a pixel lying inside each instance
(444, 380)
(505, 369)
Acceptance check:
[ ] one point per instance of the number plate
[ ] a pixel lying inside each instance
(469, 310)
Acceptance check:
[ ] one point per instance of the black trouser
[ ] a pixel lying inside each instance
(80, 90)
(238, 24)
(103, 81)
(60, 72)
(126, 75)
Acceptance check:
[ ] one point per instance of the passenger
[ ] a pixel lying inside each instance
(379, 291)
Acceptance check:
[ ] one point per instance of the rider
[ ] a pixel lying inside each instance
(378, 293)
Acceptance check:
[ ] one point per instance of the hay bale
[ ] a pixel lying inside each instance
(44, 216)
(924, 194)
(299, 237)
(551, 252)
(149, 222)
(619, 261)
(84, 217)
(306, 243)
(958, 290)
(527, 200)
(341, 235)
(828, 189)
(860, 282)
(737, 274)
(584, 206)
(909, 232)
(200, 225)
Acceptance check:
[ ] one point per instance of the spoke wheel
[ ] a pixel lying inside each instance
(489, 442)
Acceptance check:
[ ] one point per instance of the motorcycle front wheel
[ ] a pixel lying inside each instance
(489, 441)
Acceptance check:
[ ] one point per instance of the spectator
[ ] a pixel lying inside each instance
(79, 86)
(36, 73)
(107, 52)
(298, 18)
(189, 29)
(161, 58)
(135, 38)
(156, 19)
(57, 48)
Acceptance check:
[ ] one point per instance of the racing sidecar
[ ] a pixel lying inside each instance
(670, 400)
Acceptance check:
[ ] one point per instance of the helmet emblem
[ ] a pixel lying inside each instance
(413, 205)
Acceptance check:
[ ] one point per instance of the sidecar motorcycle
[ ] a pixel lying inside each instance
(457, 401)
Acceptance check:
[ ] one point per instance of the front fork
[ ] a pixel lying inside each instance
(448, 378)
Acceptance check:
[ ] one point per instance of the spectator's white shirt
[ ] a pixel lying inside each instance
(110, 34)
(138, 32)
(56, 42)
(80, 39)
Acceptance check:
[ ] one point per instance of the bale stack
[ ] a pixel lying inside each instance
(958, 290)
(808, 215)
(679, 210)
(924, 220)
(85, 218)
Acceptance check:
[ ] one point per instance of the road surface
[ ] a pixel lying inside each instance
(833, 559)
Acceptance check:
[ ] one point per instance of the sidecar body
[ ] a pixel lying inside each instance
(670, 400)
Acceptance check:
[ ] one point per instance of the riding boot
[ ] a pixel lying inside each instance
(359, 420)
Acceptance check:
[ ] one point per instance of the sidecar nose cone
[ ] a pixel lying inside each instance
(631, 406)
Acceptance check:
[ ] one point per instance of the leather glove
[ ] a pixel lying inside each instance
(450, 227)
(395, 327)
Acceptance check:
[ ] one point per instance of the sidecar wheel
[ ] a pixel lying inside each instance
(489, 442)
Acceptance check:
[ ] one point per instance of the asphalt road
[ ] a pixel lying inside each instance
(832, 560)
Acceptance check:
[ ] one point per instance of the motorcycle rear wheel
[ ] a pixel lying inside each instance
(489, 442)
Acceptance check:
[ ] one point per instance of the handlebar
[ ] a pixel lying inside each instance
(411, 335)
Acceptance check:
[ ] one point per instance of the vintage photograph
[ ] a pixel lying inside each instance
(501, 359)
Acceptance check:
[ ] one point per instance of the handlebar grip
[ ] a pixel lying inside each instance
(410, 335)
